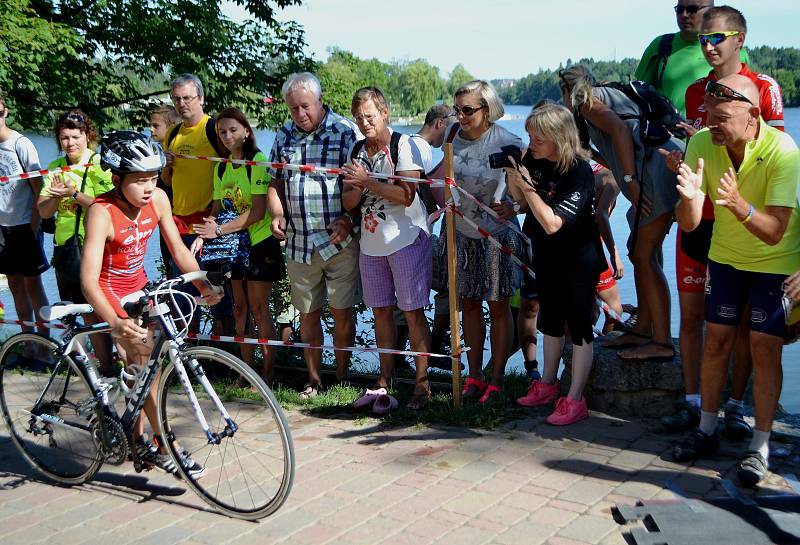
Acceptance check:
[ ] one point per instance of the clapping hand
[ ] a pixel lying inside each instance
(59, 188)
(729, 197)
(689, 182)
(207, 229)
(673, 158)
(356, 175)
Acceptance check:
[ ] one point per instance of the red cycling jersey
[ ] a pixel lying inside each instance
(770, 104)
(122, 269)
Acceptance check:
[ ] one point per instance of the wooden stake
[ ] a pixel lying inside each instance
(452, 280)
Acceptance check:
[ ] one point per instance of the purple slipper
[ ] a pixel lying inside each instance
(368, 397)
(384, 404)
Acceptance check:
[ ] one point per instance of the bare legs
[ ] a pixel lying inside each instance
(475, 334)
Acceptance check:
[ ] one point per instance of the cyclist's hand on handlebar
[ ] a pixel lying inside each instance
(127, 328)
(211, 294)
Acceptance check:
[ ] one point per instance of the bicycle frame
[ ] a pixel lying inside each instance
(167, 339)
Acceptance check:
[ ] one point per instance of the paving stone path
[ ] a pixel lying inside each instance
(358, 482)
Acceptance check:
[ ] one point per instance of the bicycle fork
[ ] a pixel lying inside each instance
(178, 360)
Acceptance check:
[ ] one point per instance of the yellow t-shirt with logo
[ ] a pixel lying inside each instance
(768, 176)
(239, 189)
(192, 179)
(98, 181)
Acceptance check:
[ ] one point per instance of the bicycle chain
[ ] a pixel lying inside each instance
(119, 441)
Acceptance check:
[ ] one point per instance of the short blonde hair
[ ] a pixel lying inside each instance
(556, 124)
(488, 96)
(366, 94)
(167, 112)
(578, 81)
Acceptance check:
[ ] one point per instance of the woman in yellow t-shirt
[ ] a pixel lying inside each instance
(243, 190)
(67, 195)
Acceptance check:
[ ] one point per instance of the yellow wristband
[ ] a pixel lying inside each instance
(749, 215)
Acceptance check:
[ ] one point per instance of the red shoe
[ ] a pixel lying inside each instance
(473, 389)
(492, 393)
(540, 393)
(568, 411)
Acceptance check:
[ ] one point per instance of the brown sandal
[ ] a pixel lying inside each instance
(310, 390)
(421, 396)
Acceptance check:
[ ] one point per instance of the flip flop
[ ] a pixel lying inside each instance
(368, 397)
(614, 342)
(384, 404)
(309, 390)
(634, 357)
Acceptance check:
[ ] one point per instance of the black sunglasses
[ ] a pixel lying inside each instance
(77, 118)
(691, 10)
(467, 110)
(723, 92)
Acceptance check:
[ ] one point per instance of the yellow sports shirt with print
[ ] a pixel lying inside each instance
(768, 176)
(192, 179)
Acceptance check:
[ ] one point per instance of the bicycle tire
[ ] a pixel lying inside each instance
(247, 475)
(63, 451)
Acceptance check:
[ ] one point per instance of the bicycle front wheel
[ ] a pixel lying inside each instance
(54, 435)
(246, 474)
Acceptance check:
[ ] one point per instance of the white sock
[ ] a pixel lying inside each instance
(735, 404)
(760, 443)
(693, 399)
(708, 422)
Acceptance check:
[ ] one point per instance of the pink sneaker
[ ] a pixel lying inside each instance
(540, 393)
(568, 411)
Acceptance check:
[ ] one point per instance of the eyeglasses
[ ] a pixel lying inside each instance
(723, 92)
(468, 111)
(76, 118)
(716, 38)
(186, 99)
(368, 118)
(689, 10)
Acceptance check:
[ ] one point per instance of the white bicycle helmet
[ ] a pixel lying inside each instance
(130, 151)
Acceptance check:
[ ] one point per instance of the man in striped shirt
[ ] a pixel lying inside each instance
(306, 209)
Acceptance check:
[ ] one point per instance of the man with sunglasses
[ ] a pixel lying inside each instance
(721, 38)
(750, 170)
(673, 61)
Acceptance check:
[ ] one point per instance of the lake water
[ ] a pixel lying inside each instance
(790, 397)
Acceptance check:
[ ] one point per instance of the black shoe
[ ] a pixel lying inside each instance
(752, 469)
(736, 427)
(687, 418)
(696, 445)
(150, 456)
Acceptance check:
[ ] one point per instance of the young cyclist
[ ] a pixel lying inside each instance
(118, 226)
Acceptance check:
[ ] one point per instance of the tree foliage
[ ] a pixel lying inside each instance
(782, 63)
(101, 54)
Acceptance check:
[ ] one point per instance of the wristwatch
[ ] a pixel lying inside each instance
(218, 231)
(75, 195)
(628, 178)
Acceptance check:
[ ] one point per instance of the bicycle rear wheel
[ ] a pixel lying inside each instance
(55, 437)
(248, 474)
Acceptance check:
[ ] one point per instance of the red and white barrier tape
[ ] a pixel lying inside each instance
(49, 325)
(43, 172)
(437, 182)
(266, 342)
(489, 210)
(485, 234)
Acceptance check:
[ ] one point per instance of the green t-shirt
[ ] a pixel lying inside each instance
(98, 181)
(768, 176)
(235, 185)
(685, 65)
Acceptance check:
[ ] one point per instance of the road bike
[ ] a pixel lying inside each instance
(64, 418)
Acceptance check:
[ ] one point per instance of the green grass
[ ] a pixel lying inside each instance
(337, 402)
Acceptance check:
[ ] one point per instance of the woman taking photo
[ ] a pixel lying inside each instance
(395, 259)
(485, 273)
(240, 193)
(67, 195)
(642, 173)
(557, 183)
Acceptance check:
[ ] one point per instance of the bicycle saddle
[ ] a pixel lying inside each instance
(63, 308)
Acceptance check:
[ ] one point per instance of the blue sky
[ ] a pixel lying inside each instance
(511, 38)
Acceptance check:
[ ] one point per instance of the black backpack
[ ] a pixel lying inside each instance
(658, 118)
(394, 146)
(661, 58)
(211, 135)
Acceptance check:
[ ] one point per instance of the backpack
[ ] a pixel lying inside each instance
(658, 118)
(394, 146)
(211, 135)
(47, 225)
(661, 58)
